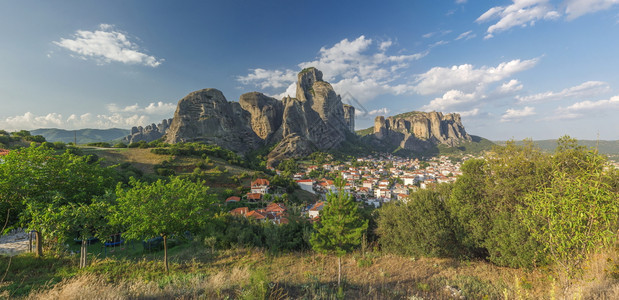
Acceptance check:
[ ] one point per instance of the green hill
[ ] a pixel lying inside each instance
(83, 136)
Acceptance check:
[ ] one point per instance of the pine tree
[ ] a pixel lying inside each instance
(340, 228)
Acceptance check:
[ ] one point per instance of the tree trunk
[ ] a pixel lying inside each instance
(339, 270)
(39, 241)
(165, 252)
(84, 253)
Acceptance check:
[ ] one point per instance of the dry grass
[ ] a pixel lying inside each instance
(312, 276)
(142, 159)
(193, 286)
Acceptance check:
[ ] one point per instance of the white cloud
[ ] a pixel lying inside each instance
(577, 8)
(469, 113)
(269, 78)
(460, 1)
(159, 108)
(516, 114)
(520, 13)
(428, 35)
(30, 121)
(375, 112)
(578, 109)
(586, 89)
(466, 77)
(439, 43)
(360, 67)
(466, 35)
(450, 101)
(385, 45)
(510, 87)
(107, 45)
(122, 117)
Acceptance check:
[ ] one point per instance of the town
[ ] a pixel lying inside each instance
(373, 180)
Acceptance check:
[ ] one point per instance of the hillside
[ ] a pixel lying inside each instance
(84, 136)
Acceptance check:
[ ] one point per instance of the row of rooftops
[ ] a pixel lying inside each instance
(274, 212)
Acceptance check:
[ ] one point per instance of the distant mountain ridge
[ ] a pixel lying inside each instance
(84, 136)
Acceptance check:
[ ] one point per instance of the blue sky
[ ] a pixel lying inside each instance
(513, 69)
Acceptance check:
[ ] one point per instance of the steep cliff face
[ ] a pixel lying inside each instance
(206, 116)
(315, 120)
(266, 113)
(148, 133)
(419, 131)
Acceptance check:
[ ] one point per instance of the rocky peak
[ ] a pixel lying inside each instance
(315, 120)
(206, 116)
(305, 83)
(148, 133)
(419, 130)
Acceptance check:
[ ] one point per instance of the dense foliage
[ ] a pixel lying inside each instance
(421, 226)
(162, 209)
(518, 207)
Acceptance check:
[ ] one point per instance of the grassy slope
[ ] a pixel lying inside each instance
(144, 160)
(252, 273)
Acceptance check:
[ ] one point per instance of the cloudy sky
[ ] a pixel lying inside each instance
(513, 69)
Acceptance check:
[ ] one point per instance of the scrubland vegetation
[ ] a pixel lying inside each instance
(518, 224)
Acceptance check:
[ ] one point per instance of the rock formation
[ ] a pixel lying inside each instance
(315, 120)
(418, 131)
(149, 133)
(206, 116)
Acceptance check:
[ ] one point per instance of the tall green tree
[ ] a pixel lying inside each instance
(485, 199)
(340, 228)
(36, 178)
(148, 210)
(578, 212)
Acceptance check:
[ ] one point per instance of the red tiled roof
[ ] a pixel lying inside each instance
(233, 198)
(260, 182)
(305, 180)
(254, 196)
(4, 152)
(275, 207)
(254, 214)
(240, 211)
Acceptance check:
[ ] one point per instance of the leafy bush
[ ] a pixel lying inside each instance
(421, 227)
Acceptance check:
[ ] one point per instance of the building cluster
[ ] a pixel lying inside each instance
(274, 212)
(382, 178)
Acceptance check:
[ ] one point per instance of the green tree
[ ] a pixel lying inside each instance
(420, 227)
(88, 221)
(486, 197)
(340, 228)
(578, 212)
(162, 209)
(34, 178)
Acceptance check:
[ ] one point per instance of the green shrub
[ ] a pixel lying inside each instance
(421, 227)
